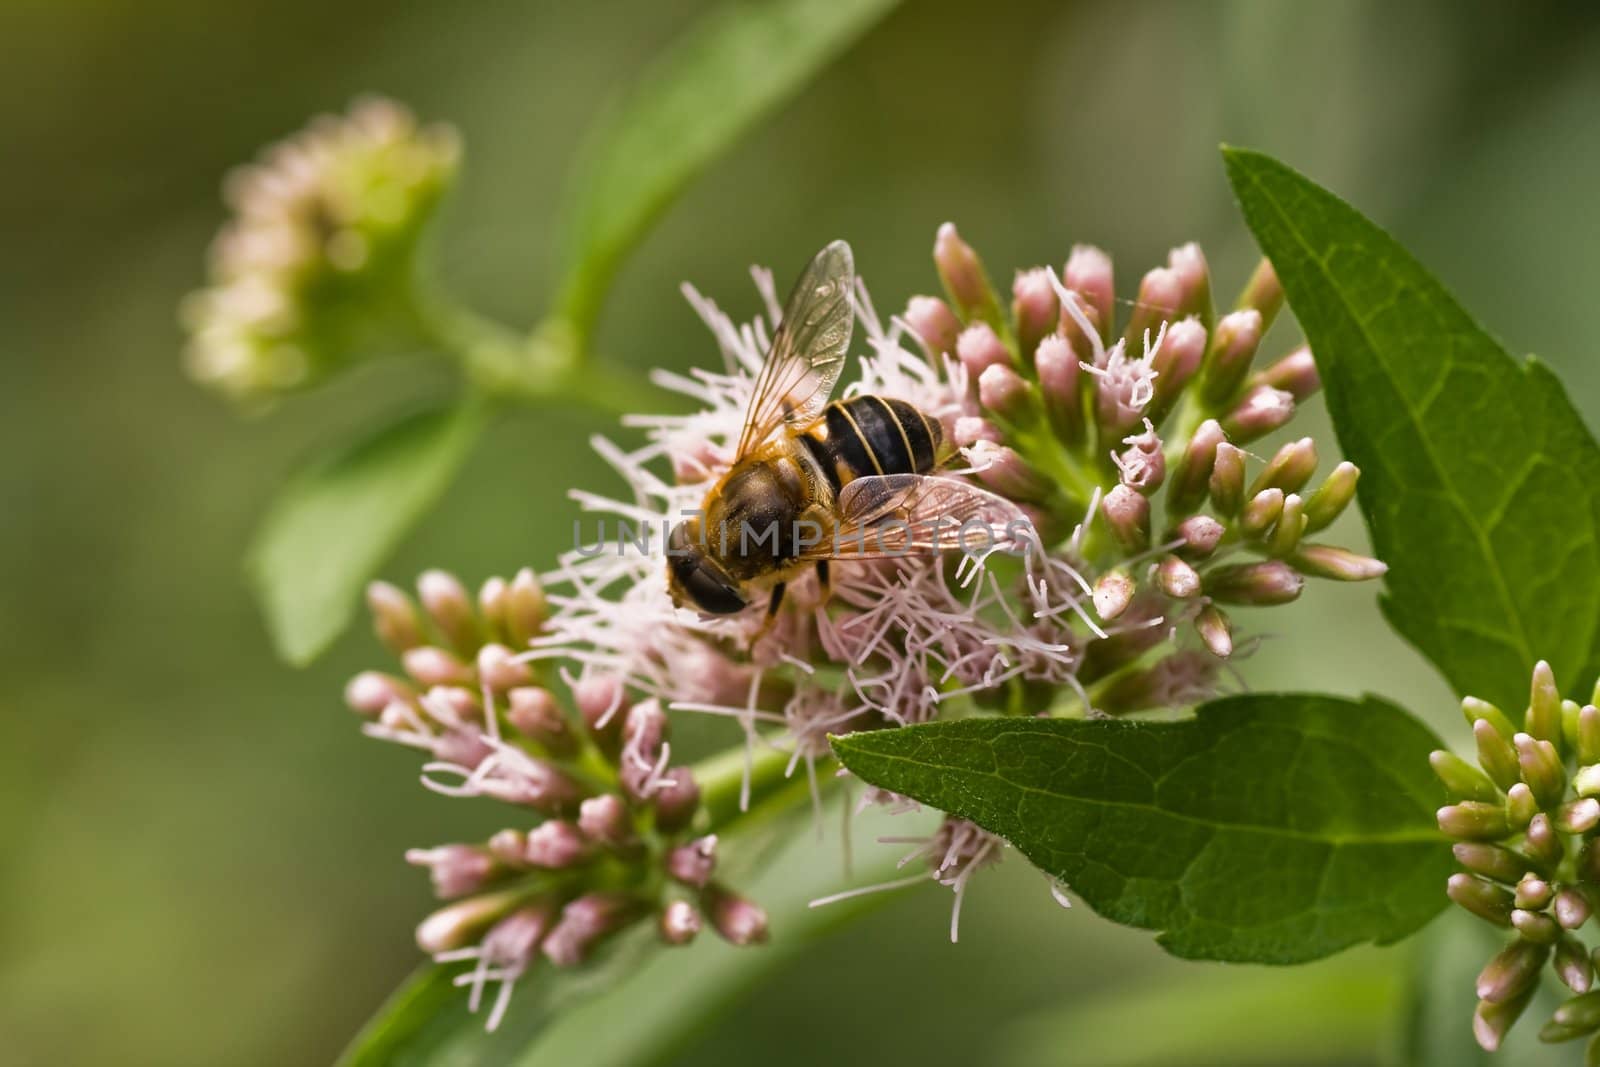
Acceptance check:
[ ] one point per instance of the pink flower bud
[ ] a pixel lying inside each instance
(1263, 293)
(645, 727)
(455, 870)
(1542, 844)
(643, 733)
(1034, 308)
(1491, 861)
(970, 429)
(1296, 374)
(369, 692)
(1473, 820)
(464, 748)
(452, 705)
(1544, 704)
(1088, 273)
(1177, 579)
(1112, 594)
(509, 847)
(1260, 512)
(1261, 410)
(1143, 465)
(1533, 893)
(1512, 972)
(534, 713)
(492, 597)
(979, 348)
(1573, 964)
(394, 617)
(693, 863)
(1060, 383)
(1214, 629)
(605, 819)
(1342, 565)
(1331, 497)
(463, 922)
(445, 600)
(1461, 779)
(1254, 584)
(1227, 479)
(499, 670)
(1194, 279)
(1290, 526)
(677, 800)
(933, 324)
(1127, 514)
(1491, 1021)
(1588, 736)
(585, 922)
(554, 845)
(1290, 469)
(739, 921)
(525, 608)
(1176, 363)
(1200, 535)
(1233, 346)
(1001, 469)
(1160, 297)
(432, 666)
(1495, 754)
(1130, 641)
(1073, 331)
(1488, 902)
(1572, 908)
(1577, 817)
(679, 922)
(1190, 480)
(602, 701)
(963, 276)
(513, 940)
(1005, 392)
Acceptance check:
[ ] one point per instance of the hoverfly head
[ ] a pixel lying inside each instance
(693, 577)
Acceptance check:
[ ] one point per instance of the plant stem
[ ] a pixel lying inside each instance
(546, 364)
(721, 779)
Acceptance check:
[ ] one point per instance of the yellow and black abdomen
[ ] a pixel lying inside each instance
(868, 435)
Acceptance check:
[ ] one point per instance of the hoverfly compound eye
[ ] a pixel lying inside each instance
(678, 540)
(710, 591)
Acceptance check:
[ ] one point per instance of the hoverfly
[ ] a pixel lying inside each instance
(813, 481)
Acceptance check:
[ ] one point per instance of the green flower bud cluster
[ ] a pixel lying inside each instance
(316, 266)
(614, 834)
(1526, 819)
(1141, 425)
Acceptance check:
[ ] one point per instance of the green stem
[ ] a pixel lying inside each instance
(549, 363)
(721, 781)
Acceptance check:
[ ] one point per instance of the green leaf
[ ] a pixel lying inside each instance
(1273, 828)
(333, 524)
(1478, 479)
(642, 1004)
(727, 72)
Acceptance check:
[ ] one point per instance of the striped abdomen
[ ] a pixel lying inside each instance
(868, 435)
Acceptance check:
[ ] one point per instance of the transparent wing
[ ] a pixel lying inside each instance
(808, 349)
(892, 515)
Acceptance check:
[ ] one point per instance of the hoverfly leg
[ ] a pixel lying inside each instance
(824, 585)
(772, 614)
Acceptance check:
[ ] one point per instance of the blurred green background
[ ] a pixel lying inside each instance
(201, 855)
